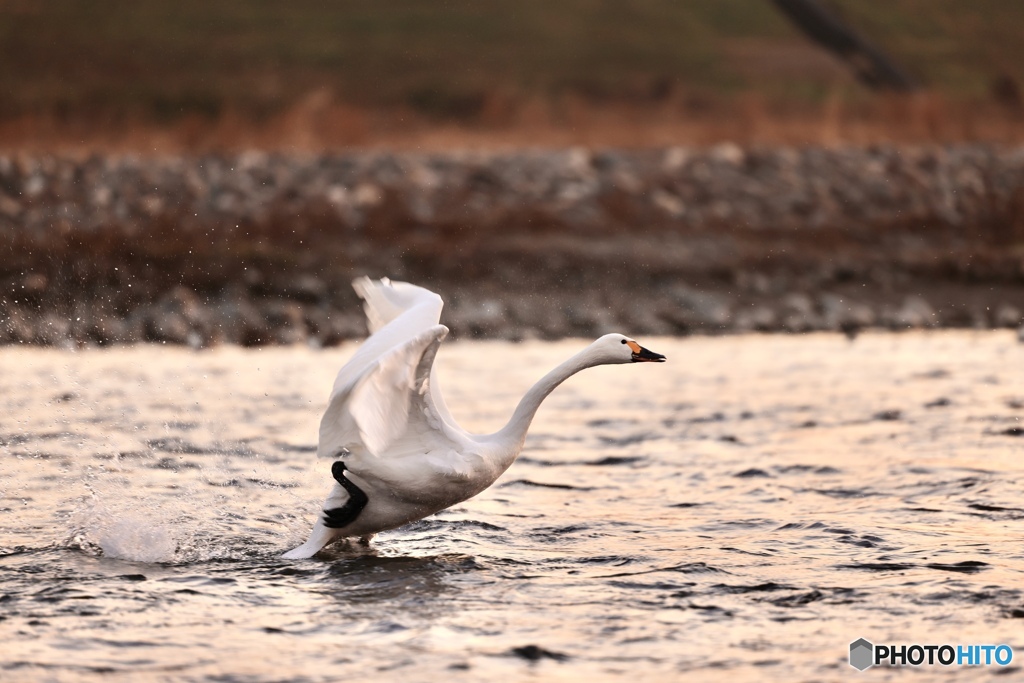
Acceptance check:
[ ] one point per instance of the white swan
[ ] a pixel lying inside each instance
(400, 456)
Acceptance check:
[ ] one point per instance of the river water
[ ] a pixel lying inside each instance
(742, 512)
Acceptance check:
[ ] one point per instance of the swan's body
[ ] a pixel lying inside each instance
(402, 455)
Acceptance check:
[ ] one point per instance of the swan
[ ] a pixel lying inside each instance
(398, 453)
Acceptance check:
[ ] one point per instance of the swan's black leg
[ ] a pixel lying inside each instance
(338, 518)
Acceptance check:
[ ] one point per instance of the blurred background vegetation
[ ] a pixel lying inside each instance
(307, 73)
(219, 171)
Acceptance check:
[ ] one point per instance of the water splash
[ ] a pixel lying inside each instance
(125, 530)
(137, 540)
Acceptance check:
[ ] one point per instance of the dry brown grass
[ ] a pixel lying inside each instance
(319, 123)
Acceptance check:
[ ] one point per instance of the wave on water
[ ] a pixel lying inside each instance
(145, 520)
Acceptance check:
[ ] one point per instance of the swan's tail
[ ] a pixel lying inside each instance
(318, 538)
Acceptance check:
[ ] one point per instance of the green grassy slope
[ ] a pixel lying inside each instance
(163, 59)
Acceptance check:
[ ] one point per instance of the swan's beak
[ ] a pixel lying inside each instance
(646, 356)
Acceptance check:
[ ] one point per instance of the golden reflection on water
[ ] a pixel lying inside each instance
(743, 511)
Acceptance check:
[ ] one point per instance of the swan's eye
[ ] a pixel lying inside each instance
(623, 341)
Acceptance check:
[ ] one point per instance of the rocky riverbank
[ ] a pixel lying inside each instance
(259, 248)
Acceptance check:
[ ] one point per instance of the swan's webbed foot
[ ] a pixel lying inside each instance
(337, 518)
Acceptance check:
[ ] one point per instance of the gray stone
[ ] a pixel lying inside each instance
(915, 312)
(1008, 316)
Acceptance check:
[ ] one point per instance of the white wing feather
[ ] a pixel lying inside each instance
(390, 374)
(384, 300)
(373, 411)
(390, 326)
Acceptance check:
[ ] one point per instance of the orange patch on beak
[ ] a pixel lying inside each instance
(633, 346)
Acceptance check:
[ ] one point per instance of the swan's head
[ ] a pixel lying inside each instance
(617, 348)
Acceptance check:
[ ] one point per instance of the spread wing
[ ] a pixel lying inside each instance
(388, 381)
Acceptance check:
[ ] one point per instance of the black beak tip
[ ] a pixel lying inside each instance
(648, 356)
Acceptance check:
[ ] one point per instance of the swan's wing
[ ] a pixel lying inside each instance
(395, 315)
(384, 300)
(375, 409)
(395, 312)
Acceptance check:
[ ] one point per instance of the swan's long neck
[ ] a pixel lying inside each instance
(514, 433)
